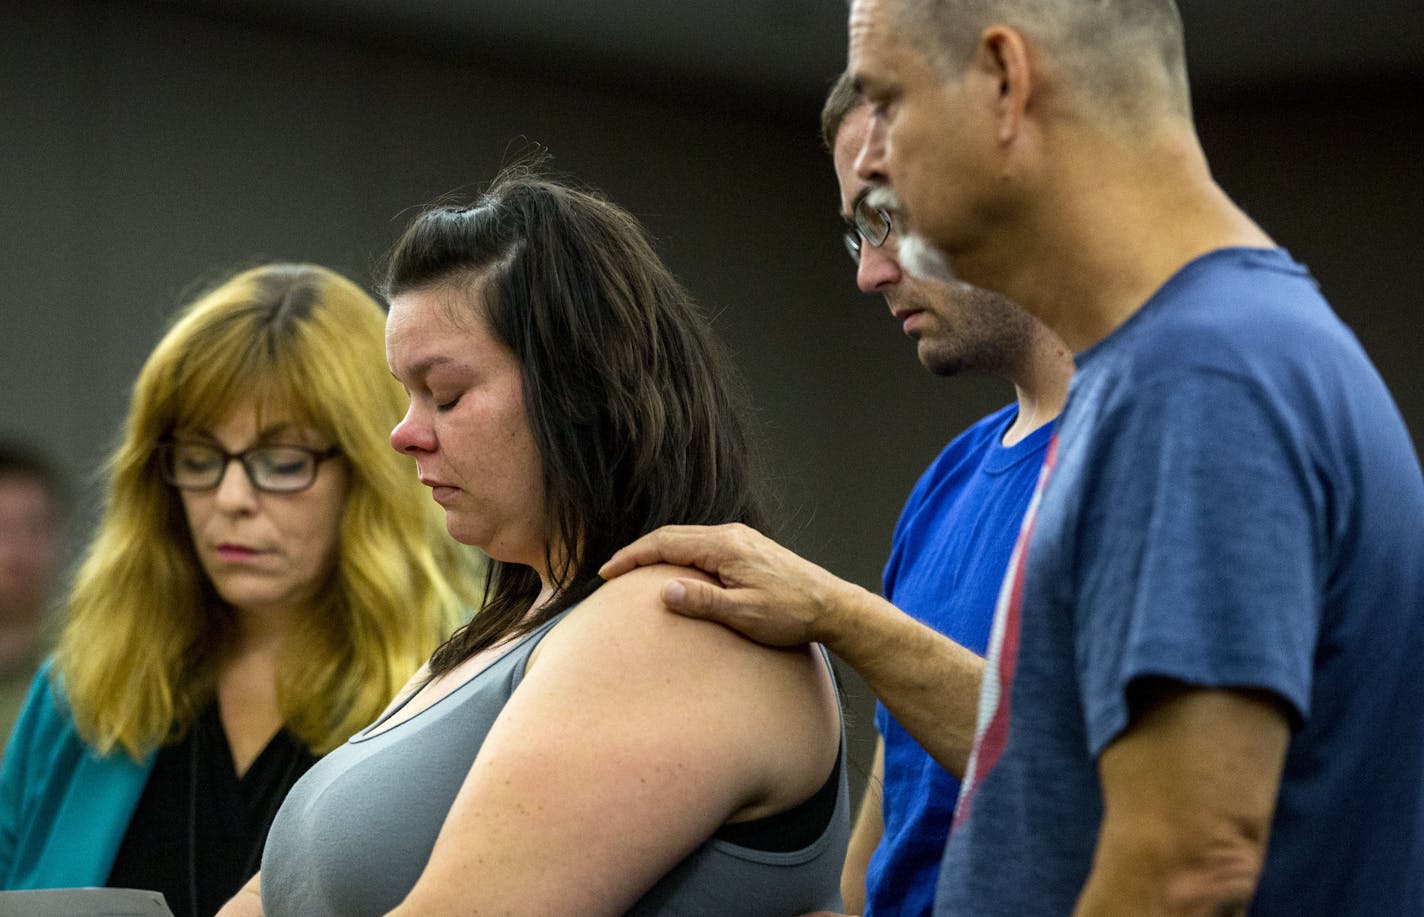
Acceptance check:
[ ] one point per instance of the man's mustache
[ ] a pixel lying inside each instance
(883, 197)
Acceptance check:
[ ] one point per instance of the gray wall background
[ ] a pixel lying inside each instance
(147, 147)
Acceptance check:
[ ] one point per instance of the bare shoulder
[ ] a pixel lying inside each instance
(624, 640)
(644, 584)
(627, 616)
(769, 714)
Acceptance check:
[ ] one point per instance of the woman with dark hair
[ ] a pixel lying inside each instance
(574, 749)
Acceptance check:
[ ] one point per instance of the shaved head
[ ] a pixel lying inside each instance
(1124, 57)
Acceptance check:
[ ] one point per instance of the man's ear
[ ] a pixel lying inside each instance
(1003, 55)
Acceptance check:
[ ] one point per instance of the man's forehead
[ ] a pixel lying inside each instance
(856, 40)
(849, 139)
(873, 47)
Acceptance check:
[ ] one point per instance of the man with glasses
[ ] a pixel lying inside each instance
(948, 557)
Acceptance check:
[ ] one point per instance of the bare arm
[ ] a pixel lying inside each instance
(247, 902)
(633, 736)
(929, 683)
(1189, 790)
(869, 827)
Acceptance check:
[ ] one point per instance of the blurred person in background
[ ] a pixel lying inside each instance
(32, 508)
(264, 578)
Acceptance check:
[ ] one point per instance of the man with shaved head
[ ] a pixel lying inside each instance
(1202, 688)
(1202, 691)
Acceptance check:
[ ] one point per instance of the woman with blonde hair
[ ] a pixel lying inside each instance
(264, 578)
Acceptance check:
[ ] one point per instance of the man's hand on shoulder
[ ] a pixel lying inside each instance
(763, 590)
(929, 683)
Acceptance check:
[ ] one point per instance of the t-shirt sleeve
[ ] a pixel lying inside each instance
(1198, 549)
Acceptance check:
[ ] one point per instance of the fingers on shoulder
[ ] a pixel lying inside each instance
(642, 588)
(626, 622)
(674, 544)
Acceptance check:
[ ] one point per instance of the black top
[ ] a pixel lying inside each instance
(793, 829)
(198, 830)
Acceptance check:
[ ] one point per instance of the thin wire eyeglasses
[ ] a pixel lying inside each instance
(275, 469)
(871, 224)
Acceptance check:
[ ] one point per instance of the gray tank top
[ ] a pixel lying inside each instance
(355, 833)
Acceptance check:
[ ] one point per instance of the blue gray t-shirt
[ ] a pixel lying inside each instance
(951, 548)
(1233, 500)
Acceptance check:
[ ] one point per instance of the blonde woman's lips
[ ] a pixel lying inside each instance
(237, 552)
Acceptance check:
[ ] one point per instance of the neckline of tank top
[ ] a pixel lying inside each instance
(375, 730)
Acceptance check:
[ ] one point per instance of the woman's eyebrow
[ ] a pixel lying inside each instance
(423, 367)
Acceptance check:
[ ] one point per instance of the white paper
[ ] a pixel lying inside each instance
(84, 902)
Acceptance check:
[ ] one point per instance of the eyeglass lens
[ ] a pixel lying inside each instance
(200, 466)
(870, 224)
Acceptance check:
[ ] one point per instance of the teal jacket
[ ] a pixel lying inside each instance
(64, 808)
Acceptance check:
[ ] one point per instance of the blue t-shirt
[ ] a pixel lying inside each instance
(1232, 500)
(948, 558)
